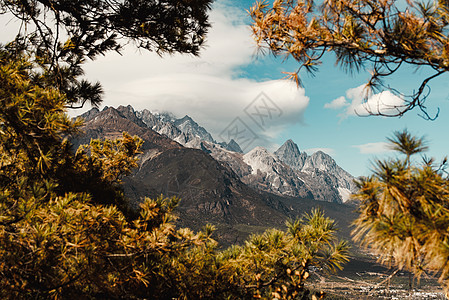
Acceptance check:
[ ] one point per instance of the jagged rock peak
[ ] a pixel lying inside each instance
(322, 161)
(129, 113)
(189, 126)
(90, 114)
(290, 154)
(127, 108)
(233, 146)
(186, 118)
(288, 148)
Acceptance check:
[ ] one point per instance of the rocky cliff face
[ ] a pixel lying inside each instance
(290, 154)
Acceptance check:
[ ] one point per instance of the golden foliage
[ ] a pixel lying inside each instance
(67, 232)
(381, 35)
(404, 211)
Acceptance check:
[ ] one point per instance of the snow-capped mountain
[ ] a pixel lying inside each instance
(316, 165)
(188, 126)
(270, 173)
(185, 131)
(264, 171)
(325, 163)
(216, 185)
(259, 159)
(286, 172)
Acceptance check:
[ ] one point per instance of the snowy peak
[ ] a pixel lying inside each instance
(148, 118)
(324, 163)
(287, 171)
(260, 159)
(321, 161)
(165, 116)
(290, 154)
(288, 149)
(189, 126)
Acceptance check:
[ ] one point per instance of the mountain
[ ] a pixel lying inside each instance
(265, 172)
(325, 163)
(295, 173)
(190, 127)
(184, 131)
(290, 154)
(210, 191)
(163, 124)
(239, 193)
(231, 146)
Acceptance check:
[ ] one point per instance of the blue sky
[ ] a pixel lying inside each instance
(229, 75)
(222, 86)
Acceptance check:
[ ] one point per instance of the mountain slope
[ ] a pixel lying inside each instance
(210, 192)
(240, 194)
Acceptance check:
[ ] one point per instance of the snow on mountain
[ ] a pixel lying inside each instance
(287, 171)
(345, 194)
(184, 131)
(324, 162)
(189, 126)
(165, 116)
(259, 159)
(270, 174)
(317, 165)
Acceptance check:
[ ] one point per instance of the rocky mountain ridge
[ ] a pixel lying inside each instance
(216, 185)
(286, 172)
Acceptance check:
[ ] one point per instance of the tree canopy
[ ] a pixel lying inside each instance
(60, 35)
(66, 229)
(381, 35)
(404, 210)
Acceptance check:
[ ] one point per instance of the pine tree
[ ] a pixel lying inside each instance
(404, 211)
(380, 35)
(59, 35)
(66, 230)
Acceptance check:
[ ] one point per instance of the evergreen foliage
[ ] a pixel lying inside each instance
(59, 35)
(404, 211)
(382, 35)
(66, 231)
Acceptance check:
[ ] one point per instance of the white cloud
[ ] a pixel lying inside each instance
(373, 148)
(360, 102)
(215, 102)
(228, 46)
(207, 87)
(338, 103)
